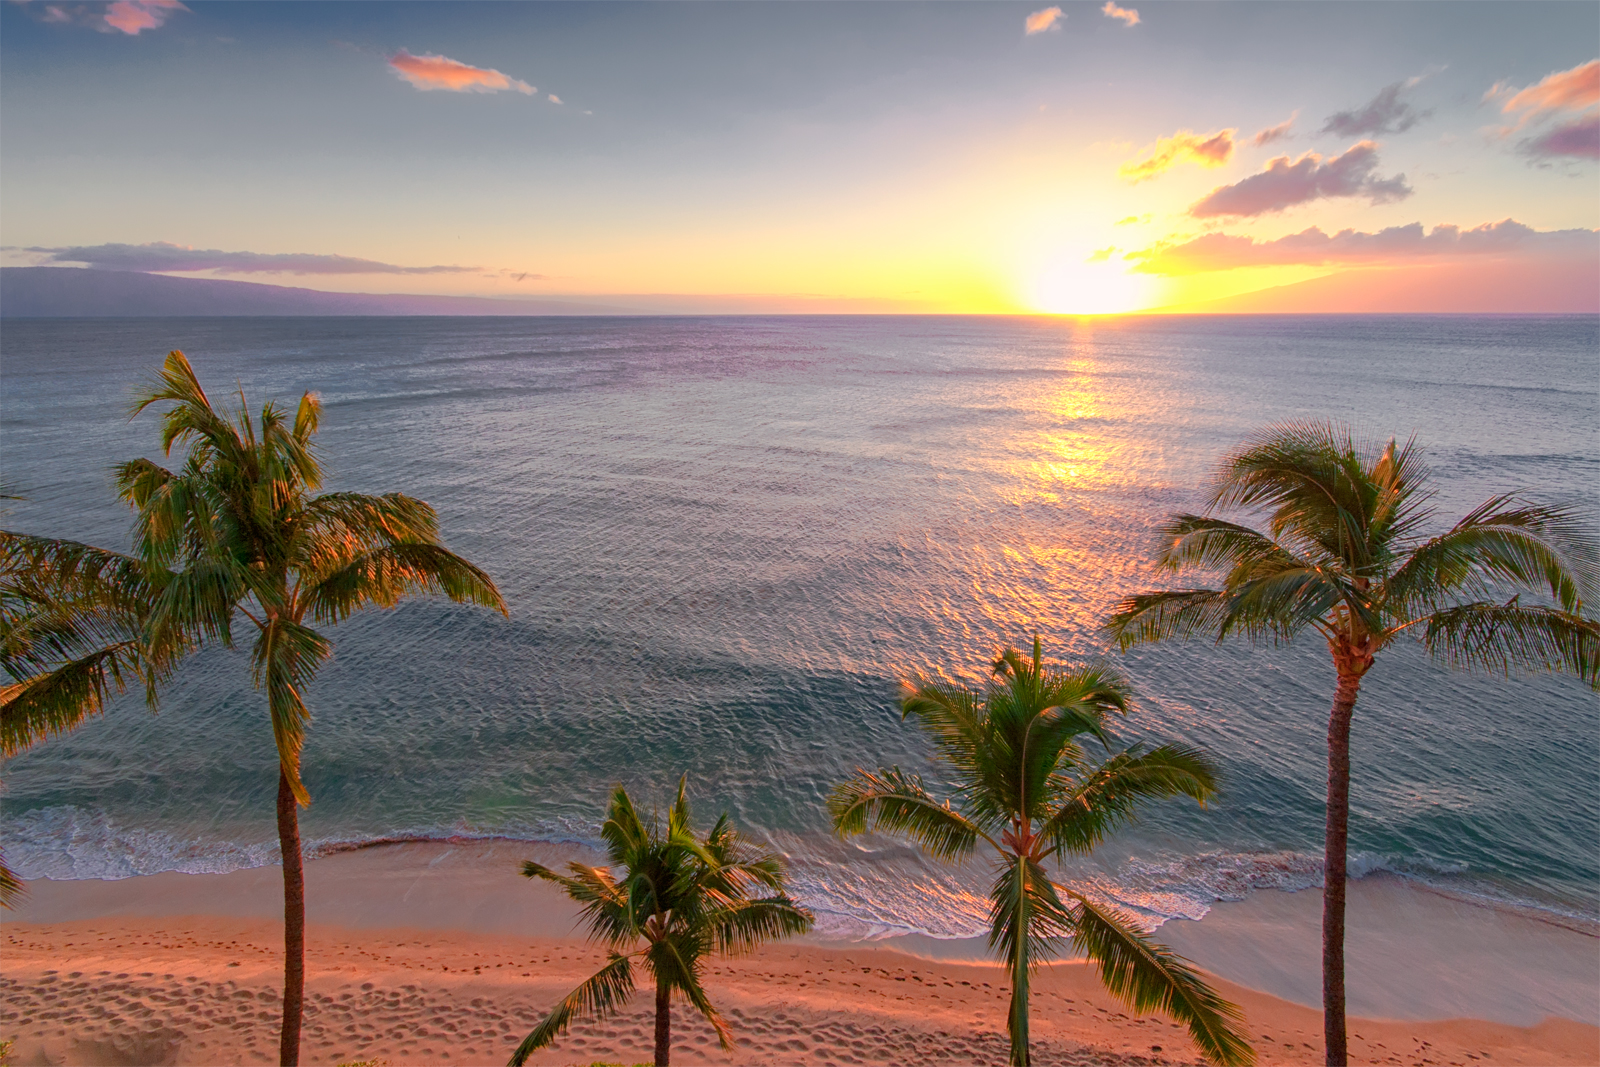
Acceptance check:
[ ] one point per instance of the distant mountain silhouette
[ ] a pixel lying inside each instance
(66, 292)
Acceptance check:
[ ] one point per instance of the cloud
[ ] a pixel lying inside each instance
(441, 72)
(1387, 113)
(1579, 139)
(1313, 247)
(131, 16)
(1284, 184)
(1126, 14)
(1567, 90)
(1208, 150)
(162, 256)
(1280, 132)
(554, 99)
(1039, 21)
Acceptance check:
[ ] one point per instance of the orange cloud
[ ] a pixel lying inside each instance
(1040, 21)
(1284, 184)
(131, 16)
(1313, 247)
(441, 72)
(1126, 14)
(1566, 90)
(1210, 150)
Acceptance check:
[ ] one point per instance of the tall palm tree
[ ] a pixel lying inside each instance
(1344, 554)
(674, 900)
(242, 529)
(1026, 788)
(72, 633)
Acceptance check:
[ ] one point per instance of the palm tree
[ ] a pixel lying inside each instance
(72, 633)
(241, 529)
(1026, 788)
(1344, 555)
(675, 901)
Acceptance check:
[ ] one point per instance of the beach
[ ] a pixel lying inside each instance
(438, 952)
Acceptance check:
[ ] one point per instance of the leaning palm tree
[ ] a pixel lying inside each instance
(72, 634)
(246, 536)
(1344, 554)
(674, 901)
(1027, 789)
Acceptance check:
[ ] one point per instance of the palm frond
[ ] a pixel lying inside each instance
(599, 996)
(58, 700)
(382, 576)
(12, 889)
(1027, 920)
(675, 961)
(1175, 613)
(1150, 977)
(741, 926)
(284, 659)
(1109, 795)
(1501, 638)
(892, 801)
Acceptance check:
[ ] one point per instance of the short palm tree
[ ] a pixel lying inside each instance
(1026, 788)
(245, 535)
(671, 900)
(1344, 554)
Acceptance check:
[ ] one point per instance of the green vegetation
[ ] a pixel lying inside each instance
(684, 898)
(1026, 788)
(1343, 554)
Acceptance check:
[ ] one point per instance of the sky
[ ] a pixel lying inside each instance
(952, 157)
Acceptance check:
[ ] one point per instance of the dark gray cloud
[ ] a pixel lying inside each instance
(1284, 184)
(162, 256)
(1387, 113)
(1579, 139)
(1313, 247)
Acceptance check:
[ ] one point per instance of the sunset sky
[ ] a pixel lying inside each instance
(995, 157)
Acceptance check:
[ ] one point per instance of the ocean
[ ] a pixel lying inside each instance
(723, 540)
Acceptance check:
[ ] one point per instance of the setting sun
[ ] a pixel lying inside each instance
(1071, 286)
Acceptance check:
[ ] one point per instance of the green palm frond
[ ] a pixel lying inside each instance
(895, 802)
(284, 659)
(744, 925)
(1177, 613)
(1202, 541)
(12, 889)
(1501, 638)
(1150, 977)
(599, 996)
(372, 521)
(382, 576)
(675, 959)
(1111, 793)
(1025, 913)
(58, 700)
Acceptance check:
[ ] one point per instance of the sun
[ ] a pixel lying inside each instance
(1073, 286)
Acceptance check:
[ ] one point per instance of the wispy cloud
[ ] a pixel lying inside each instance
(1048, 19)
(1208, 150)
(1386, 113)
(1286, 183)
(1565, 90)
(1126, 14)
(1558, 95)
(429, 72)
(1313, 247)
(1280, 132)
(162, 256)
(131, 17)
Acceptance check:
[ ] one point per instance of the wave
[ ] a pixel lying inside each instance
(860, 890)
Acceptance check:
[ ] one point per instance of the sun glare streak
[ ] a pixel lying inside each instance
(1075, 287)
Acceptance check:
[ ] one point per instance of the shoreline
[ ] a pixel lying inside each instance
(413, 946)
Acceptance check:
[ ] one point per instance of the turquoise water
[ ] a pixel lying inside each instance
(722, 540)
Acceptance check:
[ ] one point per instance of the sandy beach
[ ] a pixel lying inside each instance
(438, 953)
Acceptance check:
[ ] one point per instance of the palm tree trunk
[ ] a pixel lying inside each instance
(1336, 840)
(294, 923)
(663, 1023)
(1018, 1022)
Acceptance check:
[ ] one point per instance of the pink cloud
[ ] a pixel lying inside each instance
(1208, 150)
(1313, 247)
(132, 16)
(1284, 184)
(429, 72)
(1040, 21)
(1579, 139)
(1565, 90)
(1126, 14)
(1280, 132)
